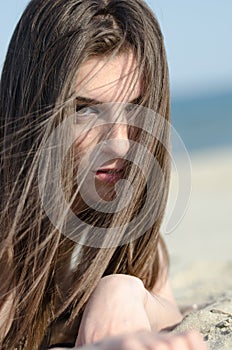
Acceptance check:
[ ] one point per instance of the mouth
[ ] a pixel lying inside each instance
(109, 175)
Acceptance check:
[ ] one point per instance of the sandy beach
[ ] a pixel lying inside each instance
(201, 250)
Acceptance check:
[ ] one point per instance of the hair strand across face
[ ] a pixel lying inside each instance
(51, 43)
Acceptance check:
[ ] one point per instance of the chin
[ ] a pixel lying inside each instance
(106, 194)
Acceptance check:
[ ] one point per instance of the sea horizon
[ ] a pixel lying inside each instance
(203, 121)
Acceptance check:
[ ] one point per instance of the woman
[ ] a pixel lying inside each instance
(69, 248)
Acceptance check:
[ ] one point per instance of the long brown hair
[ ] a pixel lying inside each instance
(50, 42)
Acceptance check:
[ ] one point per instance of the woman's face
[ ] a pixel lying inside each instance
(102, 86)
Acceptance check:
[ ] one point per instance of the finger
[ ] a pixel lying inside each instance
(141, 340)
(127, 342)
(171, 342)
(195, 340)
(187, 341)
(179, 342)
(153, 341)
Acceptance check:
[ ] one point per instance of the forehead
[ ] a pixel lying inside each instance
(109, 79)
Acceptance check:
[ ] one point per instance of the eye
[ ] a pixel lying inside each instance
(130, 107)
(85, 112)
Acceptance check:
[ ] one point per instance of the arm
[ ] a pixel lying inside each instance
(117, 307)
(121, 307)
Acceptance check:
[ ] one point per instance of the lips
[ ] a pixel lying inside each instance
(109, 175)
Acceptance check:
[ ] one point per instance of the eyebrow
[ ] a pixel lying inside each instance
(89, 101)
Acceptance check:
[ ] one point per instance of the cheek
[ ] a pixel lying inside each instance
(85, 142)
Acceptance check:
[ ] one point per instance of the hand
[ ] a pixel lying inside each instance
(146, 340)
(116, 306)
(149, 341)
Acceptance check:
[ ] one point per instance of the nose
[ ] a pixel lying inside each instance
(118, 143)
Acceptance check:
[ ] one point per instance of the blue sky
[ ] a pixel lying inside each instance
(198, 40)
(197, 36)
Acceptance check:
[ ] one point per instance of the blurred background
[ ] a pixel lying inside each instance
(198, 42)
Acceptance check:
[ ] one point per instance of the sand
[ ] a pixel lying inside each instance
(203, 290)
(201, 250)
(213, 321)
